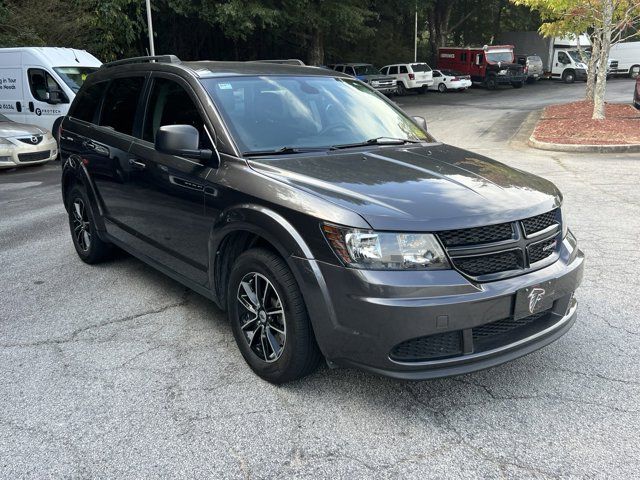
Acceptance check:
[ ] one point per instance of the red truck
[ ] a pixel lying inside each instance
(489, 65)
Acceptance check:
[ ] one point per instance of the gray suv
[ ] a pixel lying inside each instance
(323, 219)
(371, 75)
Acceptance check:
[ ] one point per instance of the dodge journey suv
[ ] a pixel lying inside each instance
(325, 221)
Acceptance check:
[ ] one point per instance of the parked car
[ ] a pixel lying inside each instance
(636, 95)
(369, 74)
(533, 66)
(22, 144)
(444, 80)
(627, 55)
(410, 76)
(320, 216)
(490, 66)
(39, 83)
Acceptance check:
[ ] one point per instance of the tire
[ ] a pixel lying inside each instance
(89, 246)
(401, 88)
(55, 132)
(491, 83)
(275, 357)
(568, 76)
(634, 71)
(517, 84)
(442, 88)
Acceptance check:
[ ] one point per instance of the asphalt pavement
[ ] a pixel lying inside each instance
(116, 371)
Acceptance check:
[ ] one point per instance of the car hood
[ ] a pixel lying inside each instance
(14, 129)
(378, 77)
(421, 188)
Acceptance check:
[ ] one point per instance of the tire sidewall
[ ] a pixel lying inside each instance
(253, 261)
(442, 88)
(78, 192)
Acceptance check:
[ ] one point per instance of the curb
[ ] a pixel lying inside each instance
(564, 147)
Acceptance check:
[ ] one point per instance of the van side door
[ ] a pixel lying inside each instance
(45, 99)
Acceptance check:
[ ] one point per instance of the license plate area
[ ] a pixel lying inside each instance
(534, 299)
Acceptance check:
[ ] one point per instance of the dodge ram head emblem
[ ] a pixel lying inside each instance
(535, 296)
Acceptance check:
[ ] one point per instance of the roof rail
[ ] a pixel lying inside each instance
(157, 58)
(288, 61)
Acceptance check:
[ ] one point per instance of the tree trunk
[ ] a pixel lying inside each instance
(592, 66)
(603, 61)
(316, 52)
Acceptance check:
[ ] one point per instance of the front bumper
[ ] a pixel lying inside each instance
(509, 79)
(20, 154)
(361, 317)
(387, 90)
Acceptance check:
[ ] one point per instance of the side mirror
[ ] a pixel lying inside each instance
(183, 141)
(54, 97)
(422, 123)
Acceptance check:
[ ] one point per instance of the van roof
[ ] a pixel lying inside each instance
(58, 56)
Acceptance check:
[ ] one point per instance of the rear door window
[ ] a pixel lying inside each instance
(393, 70)
(403, 69)
(121, 103)
(87, 103)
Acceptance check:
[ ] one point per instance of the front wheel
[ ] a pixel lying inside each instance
(634, 72)
(491, 83)
(517, 84)
(269, 318)
(568, 76)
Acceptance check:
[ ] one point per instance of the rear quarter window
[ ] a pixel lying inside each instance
(87, 103)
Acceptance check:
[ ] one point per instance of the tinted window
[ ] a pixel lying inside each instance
(420, 67)
(393, 71)
(120, 104)
(170, 104)
(403, 69)
(87, 103)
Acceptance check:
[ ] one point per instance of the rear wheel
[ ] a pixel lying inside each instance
(89, 246)
(442, 88)
(401, 88)
(269, 318)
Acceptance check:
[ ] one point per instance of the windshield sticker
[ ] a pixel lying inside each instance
(224, 86)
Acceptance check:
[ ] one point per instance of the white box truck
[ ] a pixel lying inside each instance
(628, 56)
(38, 84)
(560, 56)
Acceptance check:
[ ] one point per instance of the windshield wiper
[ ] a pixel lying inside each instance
(282, 151)
(376, 141)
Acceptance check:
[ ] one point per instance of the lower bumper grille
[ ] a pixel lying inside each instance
(34, 157)
(484, 337)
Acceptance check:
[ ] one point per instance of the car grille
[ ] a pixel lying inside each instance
(440, 345)
(505, 249)
(492, 263)
(33, 140)
(33, 157)
(483, 337)
(472, 236)
(540, 222)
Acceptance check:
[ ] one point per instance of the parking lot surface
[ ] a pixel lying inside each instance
(117, 371)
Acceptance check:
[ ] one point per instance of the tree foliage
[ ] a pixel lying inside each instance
(316, 31)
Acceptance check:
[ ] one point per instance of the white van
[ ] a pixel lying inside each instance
(37, 84)
(628, 56)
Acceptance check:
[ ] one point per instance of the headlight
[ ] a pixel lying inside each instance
(375, 83)
(386, 251)
(502, 72)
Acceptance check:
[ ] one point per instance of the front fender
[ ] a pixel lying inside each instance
(74, 172)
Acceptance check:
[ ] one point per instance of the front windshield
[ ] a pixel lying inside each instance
(275, 112)
(577, 57)
(74, 77)
(496, 57)
(366, 70)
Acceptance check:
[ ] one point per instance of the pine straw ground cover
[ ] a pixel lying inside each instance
(571, 123)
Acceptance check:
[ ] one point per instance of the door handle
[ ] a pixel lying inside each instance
(19, 107)
(135, 165)
(31, 108)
